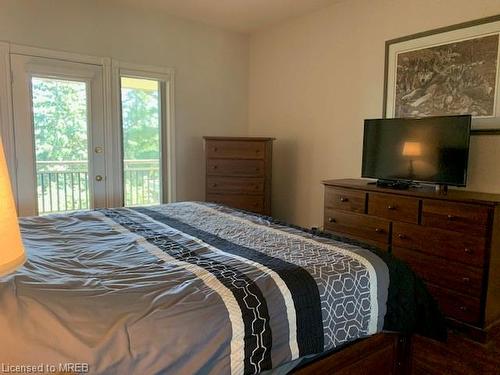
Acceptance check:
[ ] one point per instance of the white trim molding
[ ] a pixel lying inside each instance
(59, 55)
(6, 114)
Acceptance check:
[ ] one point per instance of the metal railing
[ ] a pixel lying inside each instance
(64, 185)
(141, 182)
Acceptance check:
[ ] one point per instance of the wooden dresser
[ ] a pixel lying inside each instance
(238, 172)
(452, 241)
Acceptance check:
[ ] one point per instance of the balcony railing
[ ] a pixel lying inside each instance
(64, 185)
(141, 182)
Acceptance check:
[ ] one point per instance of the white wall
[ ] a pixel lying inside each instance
(315, 78)
(211, 65)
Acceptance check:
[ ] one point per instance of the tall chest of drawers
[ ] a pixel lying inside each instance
(239, 171)
(451, 241)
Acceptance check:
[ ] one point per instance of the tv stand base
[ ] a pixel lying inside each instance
(391, 184)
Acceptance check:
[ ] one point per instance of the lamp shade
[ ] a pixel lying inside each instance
(11, 246)
(412, 149)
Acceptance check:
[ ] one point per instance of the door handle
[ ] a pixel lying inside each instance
(98, 177)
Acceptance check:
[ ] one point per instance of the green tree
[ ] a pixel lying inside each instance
(60, 119)
(141, 136)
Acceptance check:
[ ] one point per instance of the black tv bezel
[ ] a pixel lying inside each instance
(447, 183)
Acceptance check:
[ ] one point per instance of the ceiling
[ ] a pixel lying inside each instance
(244, 16)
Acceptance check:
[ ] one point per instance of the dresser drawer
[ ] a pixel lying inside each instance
(345, 199)
(228, 167)
(235, 150)
(442, 272)
(442, 243)
(248, 185)
(357, 225)
(456, 305)
(254, 203)
(393, 207)
(460, 217)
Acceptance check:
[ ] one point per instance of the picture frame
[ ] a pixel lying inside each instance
(446, 71)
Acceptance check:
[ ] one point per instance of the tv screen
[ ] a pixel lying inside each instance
(432, 149)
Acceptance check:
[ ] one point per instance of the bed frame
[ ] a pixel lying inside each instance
(383, 353)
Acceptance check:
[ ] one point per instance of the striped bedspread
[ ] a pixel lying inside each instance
(184, 288)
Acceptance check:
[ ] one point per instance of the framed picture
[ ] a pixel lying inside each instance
(447, 71)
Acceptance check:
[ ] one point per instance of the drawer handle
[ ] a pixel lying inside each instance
(466, 280)
(379, 230)
(332, 220)
(343, 199)
(463, 308)
(257, 151)
(256, 187)
(257, 169)
(215, 149)
(214, 185)
(468, 251)
(391, 207)
(451, 217)
(214, 167)
(401, 236)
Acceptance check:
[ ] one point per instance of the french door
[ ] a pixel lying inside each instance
(59, 135)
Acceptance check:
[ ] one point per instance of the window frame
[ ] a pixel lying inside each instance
(24, 68)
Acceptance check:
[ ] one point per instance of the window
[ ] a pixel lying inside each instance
(141, 134)
(61, 144)
(86, 132)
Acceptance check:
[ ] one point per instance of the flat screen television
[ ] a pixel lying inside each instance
(432, 149)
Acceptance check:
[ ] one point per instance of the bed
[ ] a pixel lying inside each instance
(199, 288)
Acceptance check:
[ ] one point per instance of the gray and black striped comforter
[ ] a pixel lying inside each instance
(184, 288)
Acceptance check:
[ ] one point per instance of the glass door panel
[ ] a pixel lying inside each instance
(141, 130)
(60, 125)
(59, 135)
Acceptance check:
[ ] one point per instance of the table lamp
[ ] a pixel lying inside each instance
(12, 253)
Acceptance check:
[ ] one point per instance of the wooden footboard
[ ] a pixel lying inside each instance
(384, 353)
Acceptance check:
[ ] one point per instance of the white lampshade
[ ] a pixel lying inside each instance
(11, 246)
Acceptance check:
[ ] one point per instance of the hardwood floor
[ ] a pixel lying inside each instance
(459, 356)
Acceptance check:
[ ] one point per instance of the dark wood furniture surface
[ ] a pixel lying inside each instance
(458, 356)
(452, 241)
(380, 354)
(238, 172)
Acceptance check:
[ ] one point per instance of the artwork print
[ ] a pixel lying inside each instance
(448, 79)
